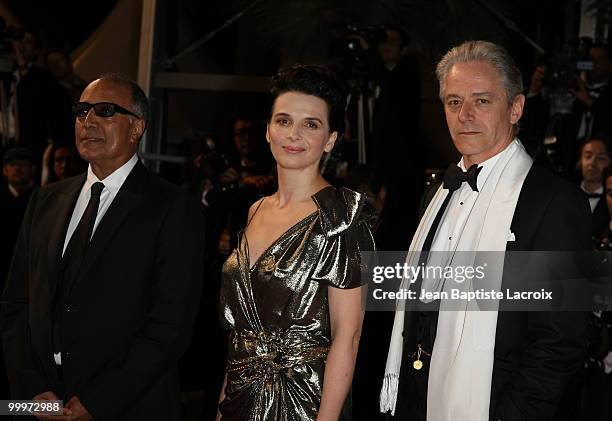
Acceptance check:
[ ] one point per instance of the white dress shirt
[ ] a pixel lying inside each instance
(593, 201)
(462, 357)
(112, 184)
(459, 207)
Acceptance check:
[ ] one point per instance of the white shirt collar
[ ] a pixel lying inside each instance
(600, 190)
(487, 165)
(115, 180)
(13, 191)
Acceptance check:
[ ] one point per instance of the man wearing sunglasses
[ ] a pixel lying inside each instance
(105, 280)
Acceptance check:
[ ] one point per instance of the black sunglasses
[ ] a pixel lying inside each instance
(102, 109)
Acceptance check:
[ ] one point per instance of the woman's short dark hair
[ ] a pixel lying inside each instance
(317, 80)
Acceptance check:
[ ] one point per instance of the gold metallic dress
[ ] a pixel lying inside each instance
(278, 313)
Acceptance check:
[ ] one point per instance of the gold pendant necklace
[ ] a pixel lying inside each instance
(418, 364)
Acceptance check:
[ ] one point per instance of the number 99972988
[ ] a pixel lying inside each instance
(29, 407)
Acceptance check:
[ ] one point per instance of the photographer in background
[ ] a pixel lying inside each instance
(589, 101)
(227, 184)
(594, 98)
(59, 63)
(236, 180)
(396, 151)
(35, 107)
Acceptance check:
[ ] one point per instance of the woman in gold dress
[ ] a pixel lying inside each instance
(291, 291)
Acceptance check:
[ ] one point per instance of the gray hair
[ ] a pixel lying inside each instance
(484, 51)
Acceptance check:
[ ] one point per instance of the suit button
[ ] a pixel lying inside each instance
(69, 309)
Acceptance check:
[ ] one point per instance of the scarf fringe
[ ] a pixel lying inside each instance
(388, 393)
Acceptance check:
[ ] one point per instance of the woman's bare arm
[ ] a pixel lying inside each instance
(346, 317)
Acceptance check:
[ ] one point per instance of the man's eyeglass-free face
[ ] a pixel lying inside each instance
(102, 109)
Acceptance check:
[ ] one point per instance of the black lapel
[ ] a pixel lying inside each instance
(526, 216)
(601, 206)
(127, 198)
(62, 214)
(601, 217)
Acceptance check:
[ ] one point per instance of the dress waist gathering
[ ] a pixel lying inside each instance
(263, 355)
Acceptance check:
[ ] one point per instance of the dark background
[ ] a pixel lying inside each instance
(275, 33)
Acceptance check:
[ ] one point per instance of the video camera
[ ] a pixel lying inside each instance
(561, 76)
(372, 34)
(348, 47)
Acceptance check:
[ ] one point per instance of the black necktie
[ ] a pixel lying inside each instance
(454, 177)
(73, 256)
(82, 234)
(427, 319)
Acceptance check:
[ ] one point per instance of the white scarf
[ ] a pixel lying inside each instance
(462, 359)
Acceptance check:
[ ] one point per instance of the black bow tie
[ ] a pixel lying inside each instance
(594, 195)
(454, 177)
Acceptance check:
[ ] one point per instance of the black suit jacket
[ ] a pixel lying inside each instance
(536, 353)
(601, 218)
(129, 313)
